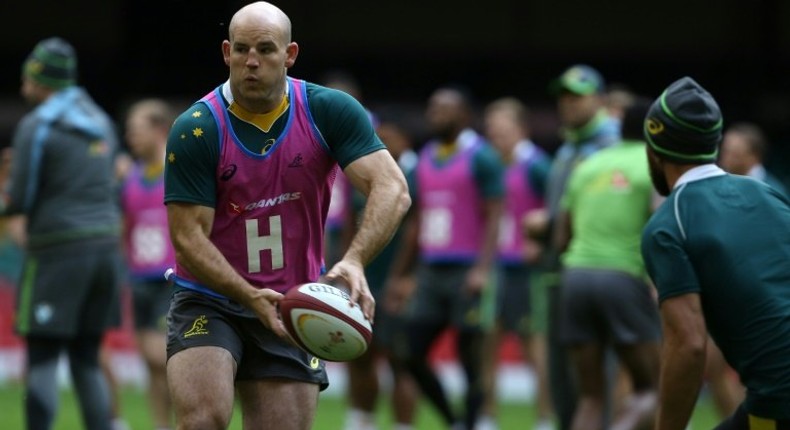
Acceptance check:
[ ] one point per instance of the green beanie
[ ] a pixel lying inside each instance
(53, 63)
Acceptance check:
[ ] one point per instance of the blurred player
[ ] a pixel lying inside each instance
(743, 151)
(605, 300)
(148, 249)
(340, 218)
(586, 128)
(62, 182)
(527, 167)
(248, 178)
(717, 251)
(458, 192)
(363, 377)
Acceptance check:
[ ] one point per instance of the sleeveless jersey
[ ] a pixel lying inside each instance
(451, 207)
(271, 208)
(519, 199)
(148, 248)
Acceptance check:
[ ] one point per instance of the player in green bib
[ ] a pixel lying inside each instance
(606, 301)
(718, 251)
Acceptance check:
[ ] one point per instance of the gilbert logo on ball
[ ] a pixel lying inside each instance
(324, 322)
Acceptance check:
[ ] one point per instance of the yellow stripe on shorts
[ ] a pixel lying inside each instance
(758, 423)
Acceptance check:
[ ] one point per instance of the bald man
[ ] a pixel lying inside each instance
(248, 178)
(743, 151)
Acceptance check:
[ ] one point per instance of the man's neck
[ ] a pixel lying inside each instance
(673, 172)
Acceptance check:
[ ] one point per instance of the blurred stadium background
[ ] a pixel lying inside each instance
(399, 51)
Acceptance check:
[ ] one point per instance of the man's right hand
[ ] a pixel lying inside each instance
(264, 303)
(535, 224)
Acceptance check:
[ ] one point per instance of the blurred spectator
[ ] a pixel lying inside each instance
(62, 181)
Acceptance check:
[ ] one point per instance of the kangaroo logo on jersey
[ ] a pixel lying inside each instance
(198, 327)
(228, 172)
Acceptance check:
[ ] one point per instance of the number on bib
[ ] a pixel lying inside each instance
(507, 230)
(148, 244)
(437, 224)
(272, 242)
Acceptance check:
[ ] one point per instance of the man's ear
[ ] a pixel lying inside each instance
(292, 51)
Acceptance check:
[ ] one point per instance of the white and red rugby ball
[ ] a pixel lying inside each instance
(324, 322)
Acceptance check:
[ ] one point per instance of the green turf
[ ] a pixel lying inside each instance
(331, 413)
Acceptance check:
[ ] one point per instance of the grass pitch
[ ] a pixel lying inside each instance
(330, 416)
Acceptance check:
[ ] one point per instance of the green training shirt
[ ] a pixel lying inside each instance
(343, 124)
(727, 238)
(608, 197)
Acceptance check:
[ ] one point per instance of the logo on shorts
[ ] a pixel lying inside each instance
(43, 313)
(198, 327)
(472, 317)
(314, 363)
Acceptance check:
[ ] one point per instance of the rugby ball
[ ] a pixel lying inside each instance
(324, 322)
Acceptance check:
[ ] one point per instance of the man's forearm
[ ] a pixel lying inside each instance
(491, 234)
(386, 205)
(681, 377)
(207, 264)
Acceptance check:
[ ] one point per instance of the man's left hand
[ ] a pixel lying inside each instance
(353, 275)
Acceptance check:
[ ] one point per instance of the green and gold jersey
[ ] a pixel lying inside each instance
(193, 147)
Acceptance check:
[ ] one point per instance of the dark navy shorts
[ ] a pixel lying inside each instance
(151, 301)
(513, 299)
(196, 319)
(607, 306)
(441, 299)
(70, 289)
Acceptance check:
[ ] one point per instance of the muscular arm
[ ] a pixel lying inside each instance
(682, 360)
(378, 177)
(190, 226)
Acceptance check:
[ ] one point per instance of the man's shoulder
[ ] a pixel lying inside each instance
(29, 120)
(197, 116)
(664, 214)
(331, 106)
(322, 96)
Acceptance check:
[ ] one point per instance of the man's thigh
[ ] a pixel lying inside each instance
(201, 383)
(278, 404)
